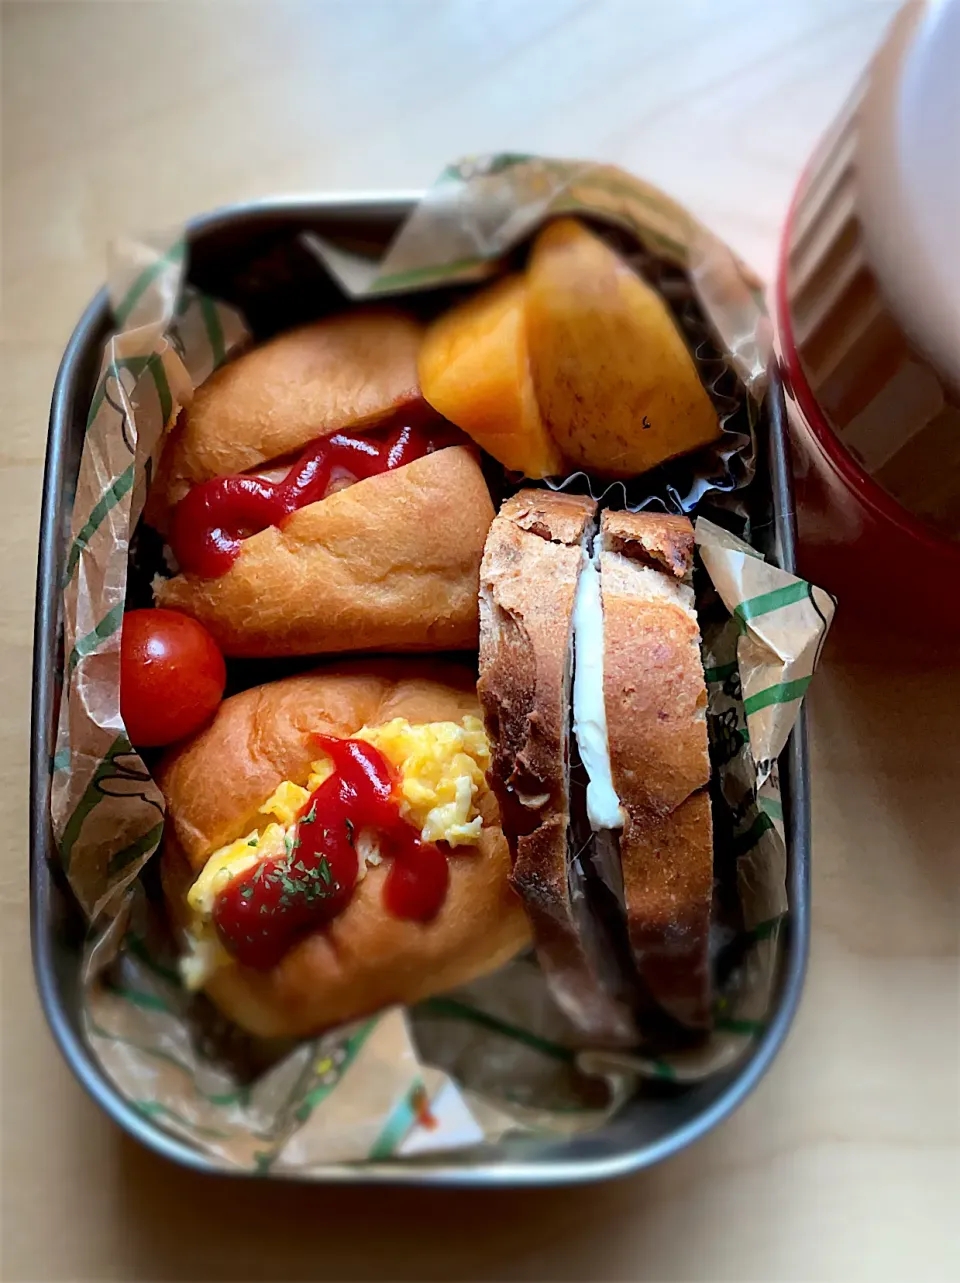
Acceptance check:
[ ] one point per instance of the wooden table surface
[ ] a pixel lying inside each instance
(122, 116)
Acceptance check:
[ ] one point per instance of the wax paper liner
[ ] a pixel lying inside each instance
(464, 1068)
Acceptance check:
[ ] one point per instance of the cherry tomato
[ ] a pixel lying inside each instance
(172, 676)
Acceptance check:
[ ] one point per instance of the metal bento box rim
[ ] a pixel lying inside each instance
(58, 989)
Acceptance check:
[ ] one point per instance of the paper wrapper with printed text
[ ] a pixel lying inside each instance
(495, 1058)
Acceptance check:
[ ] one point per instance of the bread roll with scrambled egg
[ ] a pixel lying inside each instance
(391, 563)
(256, 759)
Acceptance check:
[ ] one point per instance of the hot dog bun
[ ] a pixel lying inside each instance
(365, 959)
(348, 371)
(390, 563)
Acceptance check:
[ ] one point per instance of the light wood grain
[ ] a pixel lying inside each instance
(120, 116)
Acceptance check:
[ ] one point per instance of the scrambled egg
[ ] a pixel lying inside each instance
(441, 768)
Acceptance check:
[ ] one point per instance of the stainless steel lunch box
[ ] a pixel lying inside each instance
(653, 1126)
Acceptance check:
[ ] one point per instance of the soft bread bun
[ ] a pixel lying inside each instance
(365, 959)
(348, 371)
(656, 700)
(390, 563)
(528, 582)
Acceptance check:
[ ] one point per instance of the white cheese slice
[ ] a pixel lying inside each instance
(589, 710)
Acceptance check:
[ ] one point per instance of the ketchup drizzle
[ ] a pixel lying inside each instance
(209, 524)
(263, 912)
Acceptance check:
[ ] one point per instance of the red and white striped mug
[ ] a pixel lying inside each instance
(868, 321)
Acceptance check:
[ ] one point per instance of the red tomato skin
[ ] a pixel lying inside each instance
(172, 676)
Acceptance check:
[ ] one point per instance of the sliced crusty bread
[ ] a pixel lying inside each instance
(528, 579)
(668, 881)
(655, 698)
(391, 563)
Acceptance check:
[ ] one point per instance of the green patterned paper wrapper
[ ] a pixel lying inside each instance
(494, 1062)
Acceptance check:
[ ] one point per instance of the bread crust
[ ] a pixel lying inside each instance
(528, 577)
(365, 959)
(390, 563)
(659, 540)
(655, 697)
(348, 371)
(668, 880)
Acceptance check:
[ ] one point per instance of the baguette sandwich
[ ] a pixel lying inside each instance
(315, 504)
(529, 581)
(594, 699)
(332, 847)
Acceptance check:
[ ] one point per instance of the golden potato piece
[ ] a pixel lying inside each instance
(474, 370)
(616, 386)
